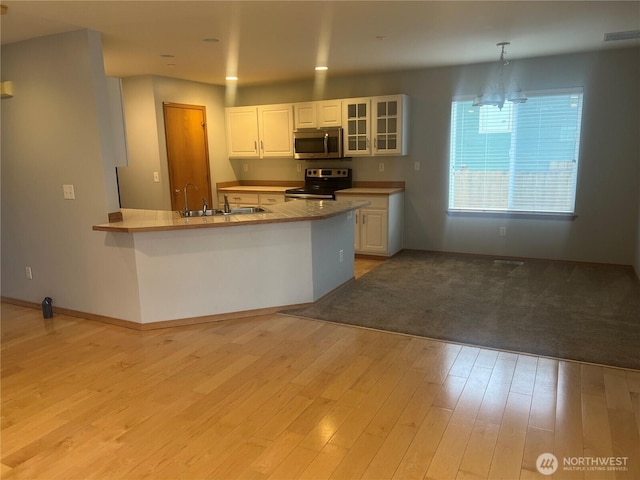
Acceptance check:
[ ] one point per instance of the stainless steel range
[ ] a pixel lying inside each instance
(321, 184)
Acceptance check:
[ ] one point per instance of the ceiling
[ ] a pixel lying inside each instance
(275, 41)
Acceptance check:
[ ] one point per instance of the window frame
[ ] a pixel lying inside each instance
(512, 213)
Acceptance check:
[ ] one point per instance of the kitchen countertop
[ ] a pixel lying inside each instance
(137, 221)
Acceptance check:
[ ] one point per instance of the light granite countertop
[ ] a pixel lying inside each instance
(137, 221)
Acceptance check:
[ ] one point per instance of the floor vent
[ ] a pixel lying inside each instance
(509, 262)
(616, 36)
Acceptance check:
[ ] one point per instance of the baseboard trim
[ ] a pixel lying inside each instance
(181, 322)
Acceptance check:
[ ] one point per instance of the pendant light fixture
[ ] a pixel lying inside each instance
(496, 93)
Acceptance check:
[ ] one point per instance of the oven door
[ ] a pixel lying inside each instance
(301, 195)
(311, 144)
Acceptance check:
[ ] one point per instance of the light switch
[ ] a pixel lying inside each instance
(69, 192)
(156, 177)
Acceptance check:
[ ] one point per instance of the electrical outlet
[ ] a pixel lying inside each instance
(341, 255)
(28, 273)
(416, 166)
(381, 167)
(299, 167)
(245, 167)
(503, 231)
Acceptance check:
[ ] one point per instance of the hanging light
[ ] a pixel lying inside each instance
(496, 94)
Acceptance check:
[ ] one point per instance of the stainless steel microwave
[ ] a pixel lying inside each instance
(317, 143)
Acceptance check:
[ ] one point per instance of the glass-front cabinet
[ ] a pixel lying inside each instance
(376, 125)
(356, 124)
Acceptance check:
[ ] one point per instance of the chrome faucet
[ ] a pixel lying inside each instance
(186, 204)
(227, 209)
(205, 205)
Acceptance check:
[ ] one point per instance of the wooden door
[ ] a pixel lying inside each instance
(187, 154)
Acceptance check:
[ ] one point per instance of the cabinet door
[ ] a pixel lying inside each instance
(356, 123)
(374, 230)
(242, 132)
(271, 198)
(305, 115)
(329, 113)
(239, 199)
(389, 138)
(275, 127)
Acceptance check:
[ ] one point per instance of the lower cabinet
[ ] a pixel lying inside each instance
(378, 225)
(245, 199)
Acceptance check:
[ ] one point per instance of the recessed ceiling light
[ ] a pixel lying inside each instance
(231, 77)
(322, 68)
(211, 40)
(167, 55)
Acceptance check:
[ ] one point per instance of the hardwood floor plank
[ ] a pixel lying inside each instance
(418, 457)
(278, 397)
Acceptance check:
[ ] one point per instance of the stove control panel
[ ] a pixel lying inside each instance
(327, 172)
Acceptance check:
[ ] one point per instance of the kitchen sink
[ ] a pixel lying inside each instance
(233, 211)
(200, 213)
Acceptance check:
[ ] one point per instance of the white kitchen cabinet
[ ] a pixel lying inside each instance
(376, 125)
(250, 199)
(237, 199)
(378, 229)
(266, 199)
(356, 122)
(242, 132)
(320, 114)
(260, 131)
(390, 125)
(275, 129)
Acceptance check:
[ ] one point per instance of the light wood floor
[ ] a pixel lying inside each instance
(277, 397)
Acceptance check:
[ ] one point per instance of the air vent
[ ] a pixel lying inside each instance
(615, 36)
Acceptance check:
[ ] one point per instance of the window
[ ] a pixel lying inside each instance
(523, 158)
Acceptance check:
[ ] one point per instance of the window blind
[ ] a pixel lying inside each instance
(523, 158)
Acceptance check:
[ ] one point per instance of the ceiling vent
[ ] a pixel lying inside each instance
(615, 36)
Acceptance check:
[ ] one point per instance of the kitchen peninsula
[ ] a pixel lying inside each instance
(191, 270)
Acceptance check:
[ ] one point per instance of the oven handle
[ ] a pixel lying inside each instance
(308, 196)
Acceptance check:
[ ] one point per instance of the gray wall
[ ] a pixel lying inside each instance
(607, 197)
(142, 99)
(56, 130)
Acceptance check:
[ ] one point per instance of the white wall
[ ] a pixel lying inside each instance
(607, 197)
(143, 98)
(56, 130)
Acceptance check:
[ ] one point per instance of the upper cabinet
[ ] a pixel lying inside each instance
(376, 125)
(326, 113)
(371, 126)
(242, 132)
(260, 132)
(356, 122)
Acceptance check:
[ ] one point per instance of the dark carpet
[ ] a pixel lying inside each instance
(565, 310)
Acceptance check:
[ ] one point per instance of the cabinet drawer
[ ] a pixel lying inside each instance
(270, 198)
(375, 201)
(239, 198)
